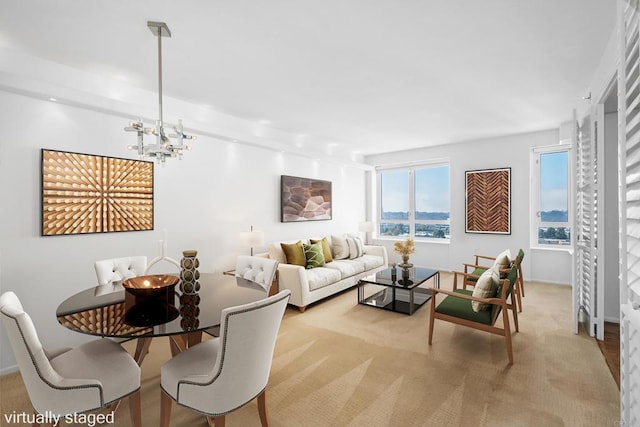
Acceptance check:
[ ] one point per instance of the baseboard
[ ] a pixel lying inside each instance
(612, 320)
(9, 370)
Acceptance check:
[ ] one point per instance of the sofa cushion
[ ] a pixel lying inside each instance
(313, 255)
(486, 287)
(346, 267)
(326, 248)
(294, 253)
(321, 277)
(340, 247)
(370, 261)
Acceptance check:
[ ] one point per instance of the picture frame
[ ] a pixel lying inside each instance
(305, 199)
(86, 193)
(488, 201)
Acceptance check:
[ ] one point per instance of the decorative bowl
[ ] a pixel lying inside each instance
(151, 283)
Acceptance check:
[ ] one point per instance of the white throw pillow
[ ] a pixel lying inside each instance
(339, 247)
(486, 287)
(358, 244)
(503, 261)
(353, 248)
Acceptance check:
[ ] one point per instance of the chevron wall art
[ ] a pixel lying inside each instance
(84, 193)
(488, 201)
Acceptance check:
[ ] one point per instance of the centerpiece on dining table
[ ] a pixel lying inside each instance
(150, 299)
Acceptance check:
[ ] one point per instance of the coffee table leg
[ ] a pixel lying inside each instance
(411, 301)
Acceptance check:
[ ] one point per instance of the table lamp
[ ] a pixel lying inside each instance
(251, 239)
(366, 227)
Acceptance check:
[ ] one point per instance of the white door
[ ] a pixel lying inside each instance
(588, 290)
(629, 182)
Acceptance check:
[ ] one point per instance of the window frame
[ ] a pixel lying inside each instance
(535, 203)
(411, 221)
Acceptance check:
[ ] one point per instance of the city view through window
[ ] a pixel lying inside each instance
(553, 228)
(428, 199)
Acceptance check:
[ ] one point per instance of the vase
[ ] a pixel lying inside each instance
(189, 311)
(406, 275)
(189, 273)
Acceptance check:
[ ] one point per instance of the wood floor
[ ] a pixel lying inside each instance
(610, 348)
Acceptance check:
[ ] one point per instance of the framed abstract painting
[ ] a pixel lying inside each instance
(304, 199)
(488, 201)
(85, 193)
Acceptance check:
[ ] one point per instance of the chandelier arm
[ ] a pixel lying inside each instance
(163, 147)
(160, 78)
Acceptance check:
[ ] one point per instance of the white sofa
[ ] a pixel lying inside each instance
(310, 285)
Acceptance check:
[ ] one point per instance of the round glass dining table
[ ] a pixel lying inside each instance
(112, 311)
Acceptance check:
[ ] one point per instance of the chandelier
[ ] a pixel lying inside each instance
(169, 139)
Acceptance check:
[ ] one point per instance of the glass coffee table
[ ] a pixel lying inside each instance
(399, 294)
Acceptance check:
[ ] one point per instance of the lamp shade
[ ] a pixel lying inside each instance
(366, 226)
(251, 239)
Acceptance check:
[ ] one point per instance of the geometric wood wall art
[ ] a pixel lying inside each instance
(304, 199)
(488, 201)
(83, 193)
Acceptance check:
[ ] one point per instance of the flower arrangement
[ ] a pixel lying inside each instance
(404, 249)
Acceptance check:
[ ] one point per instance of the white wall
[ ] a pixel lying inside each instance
(511, 151)
(203, 202)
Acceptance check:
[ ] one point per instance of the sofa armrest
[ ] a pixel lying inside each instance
(377, 250)
(294, 278)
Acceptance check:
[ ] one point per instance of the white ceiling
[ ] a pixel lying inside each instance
(371, 75)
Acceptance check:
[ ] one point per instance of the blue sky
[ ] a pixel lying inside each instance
(554, 179)
(432, 190)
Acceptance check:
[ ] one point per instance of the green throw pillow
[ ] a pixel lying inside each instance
(314, 255)
(326, 250)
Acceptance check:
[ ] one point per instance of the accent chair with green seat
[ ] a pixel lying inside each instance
(477, 269)
(458, 307)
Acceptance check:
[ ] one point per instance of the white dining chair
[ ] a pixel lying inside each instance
(110, 272)
(113, 270)
(60, 382)
(257, 269)
(223, 374)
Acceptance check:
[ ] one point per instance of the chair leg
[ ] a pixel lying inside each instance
(262, 408)
(518, 291)
(165, 408)
(507, 333)
(216, 421)
(431, 319)
(135, 409)
(521, 280)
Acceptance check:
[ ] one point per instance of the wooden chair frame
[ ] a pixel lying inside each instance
(470, 279)
(501, 300)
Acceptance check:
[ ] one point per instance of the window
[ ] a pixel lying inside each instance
(551, 218)
(414, 202)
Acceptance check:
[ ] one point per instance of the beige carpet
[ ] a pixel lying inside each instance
(342, 364)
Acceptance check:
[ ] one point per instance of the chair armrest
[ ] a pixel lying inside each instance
(294, 278)
(377, 250)
(497, 301)
(466, 264)
(492, 258)
(464, 281)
